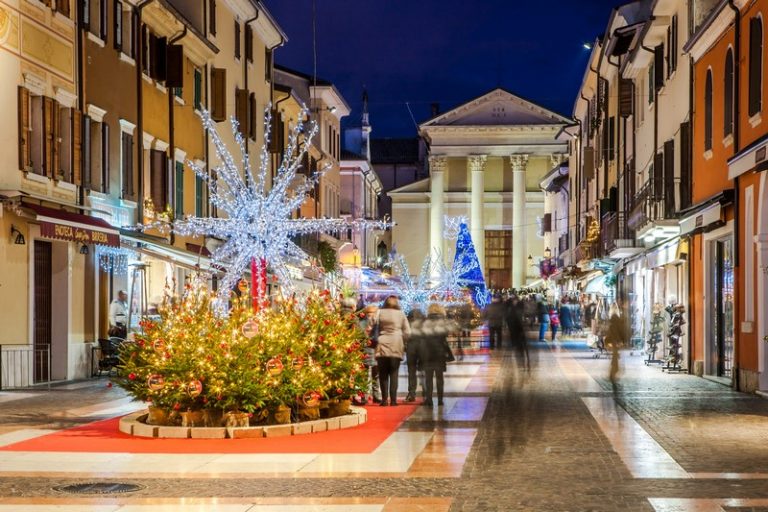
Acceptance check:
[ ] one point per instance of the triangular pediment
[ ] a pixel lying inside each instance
(497, 108)
(416, 186)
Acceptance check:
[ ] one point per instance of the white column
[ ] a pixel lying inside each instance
(519, 256)
(437, 166)
(477, 211)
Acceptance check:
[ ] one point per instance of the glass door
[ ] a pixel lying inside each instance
(722, 308)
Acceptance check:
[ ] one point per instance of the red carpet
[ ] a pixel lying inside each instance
(103, 436)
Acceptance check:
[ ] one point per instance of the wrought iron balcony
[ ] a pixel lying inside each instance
(615, 234)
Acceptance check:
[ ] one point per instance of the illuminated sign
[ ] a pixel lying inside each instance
(78, 234)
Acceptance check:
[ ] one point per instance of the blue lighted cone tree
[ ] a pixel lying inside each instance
(466, 257)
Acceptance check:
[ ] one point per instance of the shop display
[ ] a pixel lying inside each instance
(673, 358)
(655, 334)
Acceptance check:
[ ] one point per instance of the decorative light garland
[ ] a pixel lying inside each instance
(114, 259)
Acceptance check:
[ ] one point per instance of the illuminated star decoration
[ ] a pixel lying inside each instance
(257, 223)
(450, 280)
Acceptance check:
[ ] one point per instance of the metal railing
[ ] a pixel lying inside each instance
(23, 366)
(615, 233)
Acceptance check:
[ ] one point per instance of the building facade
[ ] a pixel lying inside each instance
(486, 160)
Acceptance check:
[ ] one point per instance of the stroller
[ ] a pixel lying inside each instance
(108, 354)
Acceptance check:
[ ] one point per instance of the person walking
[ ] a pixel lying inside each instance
(566, 316)
(412, 353)
(394, 331)
(494, 314)
(616, 336)
(554, 321)
(542, 311)
(516, 326)
(369, 324)
(435, 352)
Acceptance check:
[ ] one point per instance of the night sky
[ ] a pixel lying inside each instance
(416, 52)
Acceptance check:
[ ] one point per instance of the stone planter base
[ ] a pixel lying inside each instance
(136, 424)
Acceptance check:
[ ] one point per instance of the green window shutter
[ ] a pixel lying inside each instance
(179, 190)
(198, 196)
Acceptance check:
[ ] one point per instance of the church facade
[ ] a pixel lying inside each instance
(487, 158)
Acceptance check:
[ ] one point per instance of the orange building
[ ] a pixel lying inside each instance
(728, 191)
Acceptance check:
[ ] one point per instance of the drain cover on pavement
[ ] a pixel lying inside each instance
(99, 488)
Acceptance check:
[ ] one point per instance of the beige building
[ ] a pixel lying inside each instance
(487, 159)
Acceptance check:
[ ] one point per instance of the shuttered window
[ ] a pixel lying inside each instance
(669, 178)
(158, 52)
(105, 158)
(755, 65)
(86, 150)
(241, 110)
(103, 19)
(158, 179)
(126, 154)
(237, 39)
(268, 65)
(174, 76)
(651, 81)
(658, 176)
(179, 193)
(253, 116)
(25, 132)
(626, 97)
(85, 14)
(674, 45)
(62, 6)
(248, 43)
(658, 66)
(199, 191)
(212, 17)
(48, 129)
(77, 147)
(685, 165)
(218, 94)
(198, 89)
(728, 95)
(708, 111)
(118, 24)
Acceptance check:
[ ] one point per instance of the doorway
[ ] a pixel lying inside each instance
(721, 308)
(498, 259)
(43, 318)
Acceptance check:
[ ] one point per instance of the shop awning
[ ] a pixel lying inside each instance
(74, 227)
(156, 247)
(596, 285)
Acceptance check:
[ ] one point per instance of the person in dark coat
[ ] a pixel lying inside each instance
(566, 316)
(412, 353)
(516, 326)
(434, 333)
(494, 314)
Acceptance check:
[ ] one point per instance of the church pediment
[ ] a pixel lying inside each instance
(497, 108)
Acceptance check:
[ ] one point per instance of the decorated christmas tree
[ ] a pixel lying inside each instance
(466, 257)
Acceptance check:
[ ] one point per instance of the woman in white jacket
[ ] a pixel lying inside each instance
(394, 331)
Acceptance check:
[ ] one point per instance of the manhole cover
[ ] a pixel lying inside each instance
(99, 488)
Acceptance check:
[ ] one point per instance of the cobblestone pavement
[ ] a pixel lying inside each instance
(538, 447)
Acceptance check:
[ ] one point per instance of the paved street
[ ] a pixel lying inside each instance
(554, 438)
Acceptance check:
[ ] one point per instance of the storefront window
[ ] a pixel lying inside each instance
(722, 307)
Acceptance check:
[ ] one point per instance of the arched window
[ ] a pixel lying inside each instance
(728, 95)
(708, 112)
(755, 65)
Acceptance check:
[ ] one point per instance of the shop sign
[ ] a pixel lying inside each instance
(78, 234)
(760, 155)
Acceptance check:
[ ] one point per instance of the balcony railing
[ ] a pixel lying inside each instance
(615, 233)
(654, 202)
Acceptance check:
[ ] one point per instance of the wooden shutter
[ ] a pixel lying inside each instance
(179, 193)
(273, 133)
(708, 111)
(159, 180)
(175, 66)
(589, 163)
(218, 94)
(237, 39)
(241, 110)
(685, 165)
(658, 176)
(55, 138)
(198, 89)
(253, 116)
(86, 146)
(249, 43)
(658, 64)
(755, 65)
(48, 169)
(669, 178)
(77, 147)
(728, 95)
(118, 24)
(103, 20)
(546, 223)
(105, 158)
(626, 97)
(62, 6)
(268, 65)
(212, 16)
(25, 155)
(85, 14)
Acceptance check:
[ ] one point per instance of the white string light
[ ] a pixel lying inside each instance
(114, 259)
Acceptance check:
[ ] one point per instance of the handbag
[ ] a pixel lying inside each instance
(373, 336)
(449, 357)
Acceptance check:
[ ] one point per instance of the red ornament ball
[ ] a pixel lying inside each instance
(339, 391)
(131, 376)
(327, 363)
(176, 406)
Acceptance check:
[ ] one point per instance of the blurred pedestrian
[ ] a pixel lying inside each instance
(516, 326)
(412, 352)
(494, 314)
(542, 311)
(370, 325)
(554, 321)
(435, 352)
(616, 336)
(566, 316)
(394, 331)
